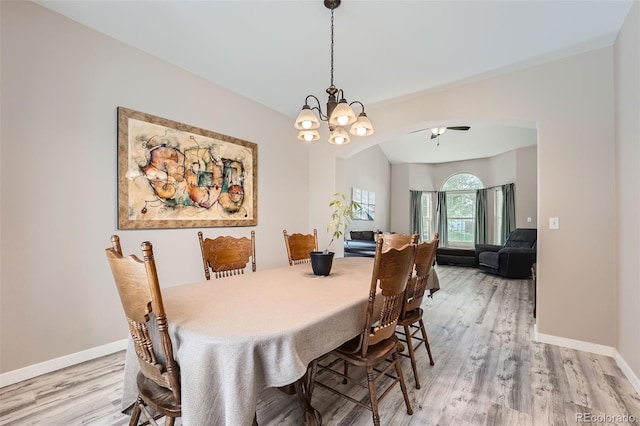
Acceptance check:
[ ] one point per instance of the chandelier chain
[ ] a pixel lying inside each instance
(332, 47)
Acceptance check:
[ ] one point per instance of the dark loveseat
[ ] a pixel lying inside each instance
(361, 243)
(514, 259)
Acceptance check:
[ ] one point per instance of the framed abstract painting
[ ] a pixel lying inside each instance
(173, 175)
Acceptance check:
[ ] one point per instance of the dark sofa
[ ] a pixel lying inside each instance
(512, 260)
(361, 243)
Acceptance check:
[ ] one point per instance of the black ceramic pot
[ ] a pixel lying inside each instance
(321, 262)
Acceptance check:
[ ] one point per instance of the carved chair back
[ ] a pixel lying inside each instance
(299, 246)
(397, 240)
(425, 253)
(139, 290)
(390, 271)
(227, 256)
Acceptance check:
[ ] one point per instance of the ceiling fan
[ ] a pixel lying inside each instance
(437, 131)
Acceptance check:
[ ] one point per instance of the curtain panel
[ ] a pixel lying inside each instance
(482, 222)
(415, 221)
(508, 210)
(441, 218)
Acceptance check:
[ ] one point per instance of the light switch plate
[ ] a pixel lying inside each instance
(554, 223)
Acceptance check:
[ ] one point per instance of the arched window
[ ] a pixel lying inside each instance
(461, 208)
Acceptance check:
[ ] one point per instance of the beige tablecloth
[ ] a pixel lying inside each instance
(235, 336)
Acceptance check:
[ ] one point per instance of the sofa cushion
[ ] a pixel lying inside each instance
(362, 235)
(490, 259)
(522, 238)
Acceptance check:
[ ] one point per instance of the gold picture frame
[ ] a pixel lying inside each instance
(173, 175)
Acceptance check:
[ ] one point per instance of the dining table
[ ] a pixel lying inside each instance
(235, 336)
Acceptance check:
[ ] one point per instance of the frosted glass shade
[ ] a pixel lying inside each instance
(342, 114)
(306, 120)
(362, 126)
(339, 136)
(308, 136)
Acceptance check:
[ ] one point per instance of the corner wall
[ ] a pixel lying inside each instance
(570, 102)
(61, 85)
(627, 157)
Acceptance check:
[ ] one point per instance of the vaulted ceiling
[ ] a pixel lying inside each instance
(277, 52)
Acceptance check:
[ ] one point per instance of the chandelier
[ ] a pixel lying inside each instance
(339, 113)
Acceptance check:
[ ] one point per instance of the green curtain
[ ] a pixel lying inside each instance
(508, 210)
(482, 222)
(441, 218)
(415, 221)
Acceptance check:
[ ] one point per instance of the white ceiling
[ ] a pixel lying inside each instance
(277, 52)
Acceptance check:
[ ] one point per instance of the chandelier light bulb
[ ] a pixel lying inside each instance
(343, 120)
(361, 131)
(306, 124)
(308, 137)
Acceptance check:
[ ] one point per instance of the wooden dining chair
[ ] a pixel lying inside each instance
(377, 343)
(397, 240)
(411, 317)
(159, 378)
(227, 256)
(299, 246)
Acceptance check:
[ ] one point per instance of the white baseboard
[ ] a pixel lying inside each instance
(592, 348)
(635, 381)
(51, 365)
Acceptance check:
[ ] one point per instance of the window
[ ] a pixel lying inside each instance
(426, 203)
(461, 208)
(497, 222)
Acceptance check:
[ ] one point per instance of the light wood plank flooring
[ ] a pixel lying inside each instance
(487, 372)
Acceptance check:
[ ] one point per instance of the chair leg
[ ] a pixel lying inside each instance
(346, 373)
(403, 386)
(412, 355)
(169, 421)
(426, 341)
(135, 413)
(373, 396)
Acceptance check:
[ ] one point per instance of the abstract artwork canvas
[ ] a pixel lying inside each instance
(173, 175)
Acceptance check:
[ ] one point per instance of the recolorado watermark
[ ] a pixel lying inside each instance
(605, 418)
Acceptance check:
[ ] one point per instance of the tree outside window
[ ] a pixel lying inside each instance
(461, 208)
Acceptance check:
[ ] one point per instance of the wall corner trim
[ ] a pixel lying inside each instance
(626, 369)
(51, 365)
(593, 348)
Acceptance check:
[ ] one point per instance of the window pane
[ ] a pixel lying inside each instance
(460, 230)
(426, 217)
(462, 181)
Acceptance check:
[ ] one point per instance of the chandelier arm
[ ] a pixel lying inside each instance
(317, 108)
(359, 103)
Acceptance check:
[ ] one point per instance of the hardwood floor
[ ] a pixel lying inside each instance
(487, 372)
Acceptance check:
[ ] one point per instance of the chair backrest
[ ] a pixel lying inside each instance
(227, 256)
(299, 246)
(397, 240)
(390, 271)
(522, 238)
(425, 253)
(139, 290)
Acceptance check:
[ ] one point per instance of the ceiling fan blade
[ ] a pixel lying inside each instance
(459, 128)
(419, 130)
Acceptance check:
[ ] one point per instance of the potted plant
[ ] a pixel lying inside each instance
(341, 216)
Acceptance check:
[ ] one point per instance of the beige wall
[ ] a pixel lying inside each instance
(61, 84)
(371, 171)
(570, 103)
(627, 233)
